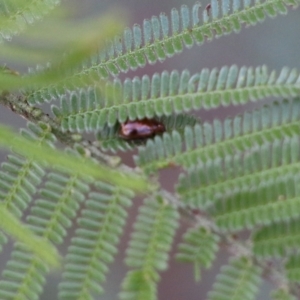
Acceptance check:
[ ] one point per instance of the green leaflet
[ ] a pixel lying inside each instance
(162, 37)
(140, 286)
(57, 69)
(20, 177)
(230, 197)
(39, 246)
(199, 247)
(275, 198)
(49, 217)
(238, 175)
(238, 280)
(225, 187)
(205, 142)
(94, 244)
(148, 248)
(168, 93)
(277, 240)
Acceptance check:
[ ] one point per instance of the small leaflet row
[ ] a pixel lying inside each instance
(149, 247)
(95, 242)
(240, 279)
(49, 218)
(171, 93)
(199, 246)
(162, 37)
(19, 176)
(218, 139)
(279, 239)
(215, 187)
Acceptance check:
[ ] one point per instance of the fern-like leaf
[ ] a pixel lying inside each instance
(199, 247)
(238, 280)
(23, 176)
(94, 244)
(163, 37)
(169, 93)
(277, 240)
(20, 177)
(23, 276)
(208, 141)
(148, 248)
(230, 197)
(275, 198)
(13, 227)
(48, 218)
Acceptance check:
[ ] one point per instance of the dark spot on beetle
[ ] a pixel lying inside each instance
(140, 129)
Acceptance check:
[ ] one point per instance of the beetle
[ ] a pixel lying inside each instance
(140, 129)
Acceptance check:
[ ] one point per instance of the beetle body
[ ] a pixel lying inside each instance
(141, 129)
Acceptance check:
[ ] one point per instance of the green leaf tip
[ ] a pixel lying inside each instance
(77, 46)
(40, 247)
(199, 247)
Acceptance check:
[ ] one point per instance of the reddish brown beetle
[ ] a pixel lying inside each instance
(141, 129)
(208, 8)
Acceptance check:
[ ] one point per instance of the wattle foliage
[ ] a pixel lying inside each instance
(237, 188)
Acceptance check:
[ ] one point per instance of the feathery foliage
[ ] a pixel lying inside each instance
(230, 197)
(14, 228)
(238, 280)
(277, 239)
(163, 37)
(148, 248)
(208, 141)
(169, 93)
(66, 54)
(20, 177)
(238, 177)
(94, 245)
(199, 247)
(274, 200)
(49, 217)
